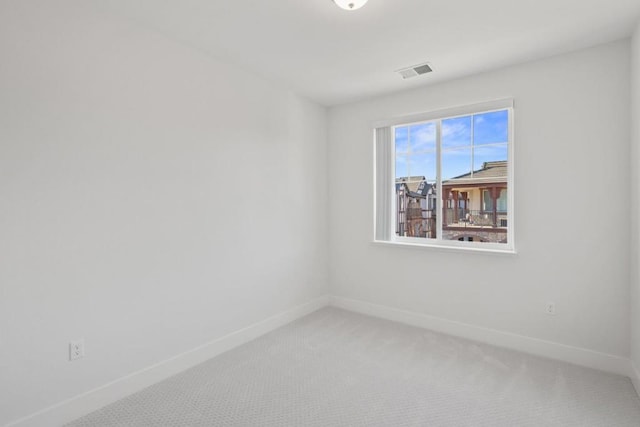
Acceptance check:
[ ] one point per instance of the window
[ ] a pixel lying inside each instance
(487, 201)
(446, 178)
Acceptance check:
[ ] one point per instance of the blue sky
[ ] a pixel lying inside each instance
(490, 134)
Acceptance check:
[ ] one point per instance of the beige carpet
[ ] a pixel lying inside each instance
(337, 368)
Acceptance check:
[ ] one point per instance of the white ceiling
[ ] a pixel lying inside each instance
(335, 56)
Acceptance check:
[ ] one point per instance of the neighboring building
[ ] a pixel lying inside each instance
(416, 204)
(475, 205)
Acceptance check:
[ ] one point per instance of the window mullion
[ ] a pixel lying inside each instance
(473, 121)
(393, 223)
(439, 207)
(409, 153)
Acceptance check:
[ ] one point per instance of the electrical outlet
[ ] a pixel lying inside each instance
(550, 308)
(76, 349)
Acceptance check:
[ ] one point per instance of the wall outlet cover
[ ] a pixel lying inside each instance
(76, 349)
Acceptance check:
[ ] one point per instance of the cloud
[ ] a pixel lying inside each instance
(423, 137)
(456, 132)
(491, 127)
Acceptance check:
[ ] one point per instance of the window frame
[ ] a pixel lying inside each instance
(437, 116)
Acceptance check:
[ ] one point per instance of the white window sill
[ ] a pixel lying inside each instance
(446, 248)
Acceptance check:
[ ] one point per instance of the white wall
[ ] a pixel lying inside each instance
(152, 199)
(572, 207)
(635, 211)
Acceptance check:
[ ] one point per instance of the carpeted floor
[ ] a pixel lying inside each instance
(337, 368)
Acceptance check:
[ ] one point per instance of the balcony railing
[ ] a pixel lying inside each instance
(453, 219)
(417, 227)
(474, 219)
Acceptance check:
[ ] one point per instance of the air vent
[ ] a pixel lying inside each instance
(414, 71)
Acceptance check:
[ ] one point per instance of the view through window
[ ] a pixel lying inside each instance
(456, 169)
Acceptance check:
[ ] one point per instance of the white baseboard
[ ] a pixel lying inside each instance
(635, 377)
(92, 400)
(552, 350)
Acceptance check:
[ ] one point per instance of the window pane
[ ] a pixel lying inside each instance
(402, 139)
(402, 166)
(456, 163)
(456, 132)
(422, 137)
(502, 201)
(488, 154)
(487, 201)
(423, 165)
(415, 209)
(415, 148)
(491, 127)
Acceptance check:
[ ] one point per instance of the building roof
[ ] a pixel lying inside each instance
(416, 185)
(412, 182)
(490, 172)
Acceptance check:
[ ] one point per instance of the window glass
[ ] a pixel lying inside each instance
(489, 153)
(402, 140)
(423, 137)
(490, 128)
(456, 162)
(416, 169)
(502, 201)
(456, 132)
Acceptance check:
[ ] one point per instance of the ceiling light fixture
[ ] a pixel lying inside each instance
(350, 4)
